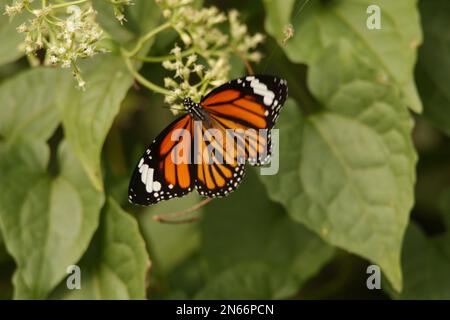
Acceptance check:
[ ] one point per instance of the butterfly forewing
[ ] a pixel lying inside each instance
(254, 101)
(164, 171)
(250, 105)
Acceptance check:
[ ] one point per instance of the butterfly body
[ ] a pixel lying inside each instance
(195, 110)
(206, 149)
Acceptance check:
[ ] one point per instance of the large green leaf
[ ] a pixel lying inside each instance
(255, 281)
(29, 108)
(116, 264)
(426, 262)
(433, 68)
(347, 171)
(47, 222)
(88, 115)
(11, 39)
(249, 243)
(319, 24)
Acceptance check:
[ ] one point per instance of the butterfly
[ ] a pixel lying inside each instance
(189, 153)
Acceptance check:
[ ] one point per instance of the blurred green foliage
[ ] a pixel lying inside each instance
(364, 174)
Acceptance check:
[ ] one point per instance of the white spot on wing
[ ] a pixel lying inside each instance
(149, 180)
(156, 186)
(143, 170)
(262, 90)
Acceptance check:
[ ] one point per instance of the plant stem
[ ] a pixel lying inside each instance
(66, 4)
(167, 57)
(142, 80)
(145, 38)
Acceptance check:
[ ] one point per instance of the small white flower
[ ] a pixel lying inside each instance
(169, 83)
(82, 84)
(22, 28)
(53, 59)
(191, 59)
(166, 13)
(120, 17)
(70, 26)
(66, 64)
(198, 68)
(28, 49)
(176, 51)
(186, 38)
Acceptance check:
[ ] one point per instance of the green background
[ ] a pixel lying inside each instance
(364, 166)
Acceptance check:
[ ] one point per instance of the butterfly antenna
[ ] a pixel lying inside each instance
(173, 217)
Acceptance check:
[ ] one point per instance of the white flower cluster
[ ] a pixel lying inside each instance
(66, 32)
(74, 38)
(16, 7)
(186, 68)
(203, 63)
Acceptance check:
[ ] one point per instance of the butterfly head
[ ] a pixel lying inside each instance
(194, 109)
(188, 103)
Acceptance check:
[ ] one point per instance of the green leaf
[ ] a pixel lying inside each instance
(140, 18)
(170, 245)
(319, 24)
(39, 230)
(143, 16)
(249, 243)
(426, 274)
(47, 223)
(255, 281)
(88, 115)
(11, 39)
(425, 267)
(3, 253)
(105, 17)
(29, 106)
(344, 173)
(116, 264)
(434, 63)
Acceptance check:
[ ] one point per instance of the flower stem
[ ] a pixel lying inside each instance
(167, 57)
(142, 80)
(145, 38)
(67, 4)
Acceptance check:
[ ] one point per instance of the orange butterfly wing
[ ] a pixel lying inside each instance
(251, 106)
(164, 171)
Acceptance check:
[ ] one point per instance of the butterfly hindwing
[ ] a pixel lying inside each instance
(216, 175)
